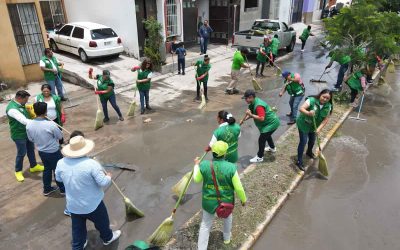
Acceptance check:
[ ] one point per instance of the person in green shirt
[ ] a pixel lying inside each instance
(52, 73)
(262, 54)
(317, 107)
(202, 72)
(238, 62)
(18, 118)
(357, 83)
(265, 120)
(105, 89)
(228, 182)
(344, 66)
(295, 88)
(274, 49)
(229, 132)
(304, 36)
(143, 83)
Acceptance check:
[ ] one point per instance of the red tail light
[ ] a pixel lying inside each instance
(119, 40)
(233, 39)
(92, 44)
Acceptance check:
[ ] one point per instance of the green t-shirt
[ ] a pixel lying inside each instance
(354, 81)
(202, 68)
(229, 134)
(341, 59)
(103, 85)
(275, 46)
(306, 33)
(237, 61)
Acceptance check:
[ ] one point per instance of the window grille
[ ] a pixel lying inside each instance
(53, 13)
(171, 18)
(27, 32)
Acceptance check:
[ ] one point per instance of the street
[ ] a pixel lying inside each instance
(357, 207)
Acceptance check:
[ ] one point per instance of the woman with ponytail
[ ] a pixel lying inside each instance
(229, 132)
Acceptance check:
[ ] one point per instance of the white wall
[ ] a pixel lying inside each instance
(161, 17)
(247, 17)
(285, 7)
(120, 16)
(203, 9)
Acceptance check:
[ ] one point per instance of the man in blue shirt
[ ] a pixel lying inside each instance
(84, 180)
(204, 33)
(181, 52)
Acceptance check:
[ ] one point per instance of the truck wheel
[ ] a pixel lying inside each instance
(53, 45)
(291, 45)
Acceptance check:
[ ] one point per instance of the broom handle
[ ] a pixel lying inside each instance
(186, 186)
(115, 185)
(58, 125)
(322, 75)
(315, 127)
(251, 73)
(359, 110)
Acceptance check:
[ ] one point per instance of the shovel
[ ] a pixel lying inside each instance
(322, 163)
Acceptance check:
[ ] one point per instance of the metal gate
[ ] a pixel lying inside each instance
(221, 19)
(189, 22)
(297, 11)
(144, 10)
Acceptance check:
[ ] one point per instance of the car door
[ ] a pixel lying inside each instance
(76, 39)
(63, 38)
(286, 35)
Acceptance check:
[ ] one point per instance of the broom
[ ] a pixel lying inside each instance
(256, 85)
(163, 233)
(322, 163)
(98, 123)
(130, 209)
(203, 97)
(391, 67)
(180, 185)
(132, 107)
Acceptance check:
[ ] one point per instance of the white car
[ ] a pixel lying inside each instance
(87, 40)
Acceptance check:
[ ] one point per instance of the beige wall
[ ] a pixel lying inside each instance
(11, 69)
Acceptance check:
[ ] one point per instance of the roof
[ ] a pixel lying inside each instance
(89, 25)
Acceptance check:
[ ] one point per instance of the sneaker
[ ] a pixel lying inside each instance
(300, 166)
(336, 89)
(197, 98)
(207, 100)
(19, 176)
(37, 168)
(227, 242)
(179, 73)
(64, 99)
(121, 119)
(311, 155)
(62, 192)
(149, 108)
(302, 50)
(262, 75)
(116, 235)
(289, 114)
(228, 92)
(85, 245)
(256, 159)
(51, 190)
(257, 75)
(142, 112)
(235, 91)
(291, 122)
(106, 119)
(68, 213)
(268, 149)
(183, 73)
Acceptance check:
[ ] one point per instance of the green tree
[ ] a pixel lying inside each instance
(153, 41)
(361, 26)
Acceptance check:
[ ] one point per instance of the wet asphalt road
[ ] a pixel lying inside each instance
(161, 152)
(358, 206)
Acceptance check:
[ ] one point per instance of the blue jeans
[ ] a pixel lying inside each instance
(304, 137)
(203, 45)
(24, 146)
(294, 104)
(50, 163)
(342, 70)
(144, 98)
(181, 64)
(113, 100)
(56, 84)
(101, 222)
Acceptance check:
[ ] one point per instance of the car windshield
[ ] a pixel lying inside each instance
(102, 33)
(266, 25)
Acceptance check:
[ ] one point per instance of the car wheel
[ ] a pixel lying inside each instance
(291, 45)
(83, 56)
(115, 56)
(53, 46)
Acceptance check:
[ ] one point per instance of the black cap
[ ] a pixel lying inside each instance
(249, 93)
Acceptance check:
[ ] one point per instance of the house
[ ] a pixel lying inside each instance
(23, 41)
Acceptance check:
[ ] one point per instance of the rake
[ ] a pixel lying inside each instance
(319, 80)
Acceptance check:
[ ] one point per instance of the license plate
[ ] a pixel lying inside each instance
(107, 43)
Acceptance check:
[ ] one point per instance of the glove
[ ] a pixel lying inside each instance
(207, 149)
(200, 77)
(63, 118)
(100, 92)
(134, 68)
(91, 73)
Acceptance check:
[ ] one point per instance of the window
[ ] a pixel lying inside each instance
(171, 18)
(250, 4)
(266, 25)
(53, 14)
(103, 33)
(78, 33)
(66, 30)
(27, 32)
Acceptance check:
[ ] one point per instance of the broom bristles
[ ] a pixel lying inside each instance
(131, 209)
(163, 233)
(256, 85)
(132, 108)
(274, 109)
(391, 67)
(203, 102)
(323, 165)
(180, 185)
(99, 120)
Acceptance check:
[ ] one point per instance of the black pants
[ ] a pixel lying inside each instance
(262, 67)
(181, 65)
(303, 43)
(353, 94)
(265, 137)
(271, 62)
(198, 88)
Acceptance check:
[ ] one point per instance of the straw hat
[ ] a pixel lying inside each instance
(78, 147)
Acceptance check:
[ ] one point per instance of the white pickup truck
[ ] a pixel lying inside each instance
(251, 39)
